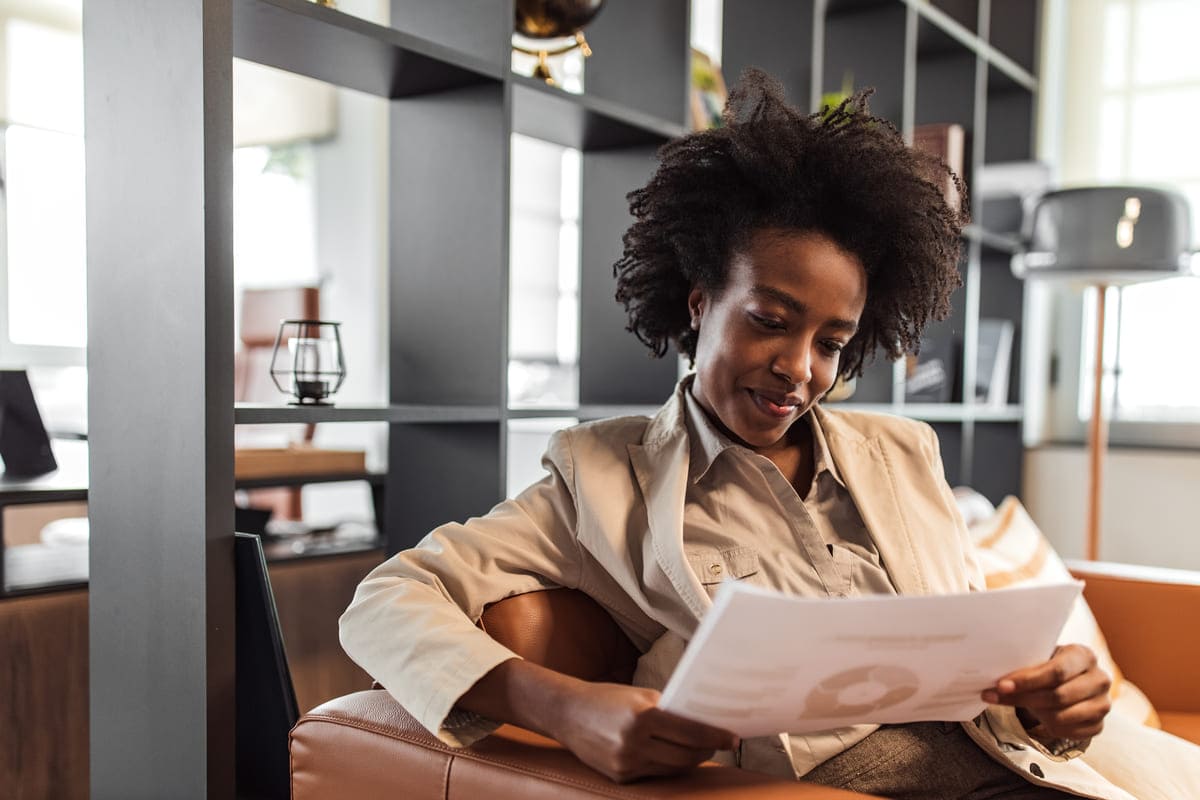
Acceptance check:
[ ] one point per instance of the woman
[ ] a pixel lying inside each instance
(778, 253)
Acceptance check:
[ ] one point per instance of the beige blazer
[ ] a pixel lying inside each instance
(608, 520)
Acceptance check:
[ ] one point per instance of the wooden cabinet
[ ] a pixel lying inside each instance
(44, 669)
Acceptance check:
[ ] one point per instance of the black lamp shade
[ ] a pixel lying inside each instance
(1108, 234)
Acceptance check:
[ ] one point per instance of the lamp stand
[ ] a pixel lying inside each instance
(1097, 434)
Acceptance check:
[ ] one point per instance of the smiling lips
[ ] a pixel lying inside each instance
(778, 406)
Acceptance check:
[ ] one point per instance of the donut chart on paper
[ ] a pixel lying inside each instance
(861, 690)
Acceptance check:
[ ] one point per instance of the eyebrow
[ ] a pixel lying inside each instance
(796, 306)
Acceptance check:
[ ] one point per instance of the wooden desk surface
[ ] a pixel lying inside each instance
(40, 568)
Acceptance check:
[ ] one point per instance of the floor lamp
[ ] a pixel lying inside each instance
(1105, 236)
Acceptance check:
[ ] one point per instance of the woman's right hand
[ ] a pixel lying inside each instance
(616, 729)
(619, 731)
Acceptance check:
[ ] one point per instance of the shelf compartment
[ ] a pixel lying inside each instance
(1010, 114)
(956, 30)
(934, 40)
(775, 35)
(263, 414)
(438, 474)
(583, 122)
(964, 12)
(331, 46)
(641, 57)
(881, 65)
(996, 457)
(614, 367)
(1008, 31)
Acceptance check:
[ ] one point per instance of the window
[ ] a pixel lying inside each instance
(274, 211)
(1129, 108)
(544, 275)
(44, 292)
(1149, 114)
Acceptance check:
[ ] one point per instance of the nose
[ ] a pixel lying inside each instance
(793, 362)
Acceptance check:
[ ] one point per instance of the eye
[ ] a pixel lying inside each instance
(766, 322)
(832, 346)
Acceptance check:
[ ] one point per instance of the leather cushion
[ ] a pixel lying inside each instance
(564, 630)
(364, 745)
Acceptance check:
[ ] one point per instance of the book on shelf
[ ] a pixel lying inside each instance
(948, 142)
(992, 361)
(929, 374)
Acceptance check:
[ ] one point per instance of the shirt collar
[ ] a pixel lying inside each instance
(708, 441)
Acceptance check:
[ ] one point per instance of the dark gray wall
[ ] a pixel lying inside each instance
(614, 367)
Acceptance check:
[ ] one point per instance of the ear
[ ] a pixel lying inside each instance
(697, 299)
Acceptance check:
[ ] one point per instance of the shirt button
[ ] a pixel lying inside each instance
(1037, 770)
(715, 569)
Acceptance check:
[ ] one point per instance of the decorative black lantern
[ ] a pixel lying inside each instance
(312, 368)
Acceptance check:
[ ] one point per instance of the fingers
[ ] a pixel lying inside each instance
(1066, 663)
(1082, 688)
(672, 755)
(620, 731)
(688, 733)
(665, 744)
(1067, 696)
(641, 758)
(1080, 721)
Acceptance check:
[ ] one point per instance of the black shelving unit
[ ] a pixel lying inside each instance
(159, 154)
(969, 62)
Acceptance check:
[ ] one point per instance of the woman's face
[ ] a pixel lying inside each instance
(769, 342)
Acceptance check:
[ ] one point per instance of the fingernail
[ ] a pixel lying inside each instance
(990, 697)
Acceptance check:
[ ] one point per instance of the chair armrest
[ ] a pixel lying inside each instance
(1148, 617)
(364, 745)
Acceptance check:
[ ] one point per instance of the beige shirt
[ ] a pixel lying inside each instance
(743, 520)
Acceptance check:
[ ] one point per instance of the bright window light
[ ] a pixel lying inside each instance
(274, 216)
(1148, 113)
(47, 297)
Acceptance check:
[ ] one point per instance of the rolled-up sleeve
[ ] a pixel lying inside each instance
(411, 624)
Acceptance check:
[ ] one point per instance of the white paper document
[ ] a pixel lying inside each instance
(763, 662)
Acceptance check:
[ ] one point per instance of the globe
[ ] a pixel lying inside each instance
(550, 19)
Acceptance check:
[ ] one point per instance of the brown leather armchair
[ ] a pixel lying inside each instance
(364, 745)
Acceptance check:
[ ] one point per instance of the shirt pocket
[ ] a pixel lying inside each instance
(715, 565)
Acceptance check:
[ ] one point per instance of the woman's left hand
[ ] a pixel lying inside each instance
(1063, 698)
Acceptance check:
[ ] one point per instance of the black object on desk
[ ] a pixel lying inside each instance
(266, 699)
(24, 445)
